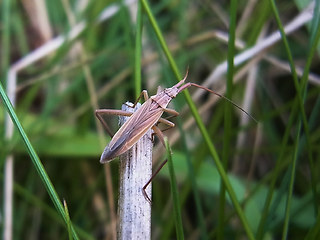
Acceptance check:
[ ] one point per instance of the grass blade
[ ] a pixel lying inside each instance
(227, 113)
(35, 159)
(199, 122)
(291, 184)
(68, 219)
(137, 56)
(174, 191)
(297, 105)
(194, 186)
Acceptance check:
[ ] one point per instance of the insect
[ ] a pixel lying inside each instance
(146, 117)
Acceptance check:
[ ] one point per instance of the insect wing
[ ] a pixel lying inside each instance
(148, 117)
(112, 150)
(132, 130)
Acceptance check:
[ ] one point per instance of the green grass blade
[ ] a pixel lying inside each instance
(192, 179)
(137, 56)
(5, 37)
(199, 122)
(314, 232)
(163, 43)
(68, 219)
(301, 95)
(295, 107)
(175, 195)
(227, 113)
(297, 85)
(315, 25)
(34, 157)
(276, 172)
(290, 191)
(313, 43)
(300, 88)
(299, 91)
(46, 209)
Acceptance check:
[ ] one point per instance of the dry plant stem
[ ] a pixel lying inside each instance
(134, 210)
(284, 65)
(245, 17)
(149, 59)
(52, 45)
(239, 164)
(9, 165)
(8, 171)
(8, 192)
(38, 16)
(257, 145)
(269, 41)
(8, 168)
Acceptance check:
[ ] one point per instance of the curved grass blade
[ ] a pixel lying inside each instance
(35, 159)
(199, 122)
(297, 106)
(174, 191)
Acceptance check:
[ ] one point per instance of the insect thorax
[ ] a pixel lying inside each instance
(163, 98)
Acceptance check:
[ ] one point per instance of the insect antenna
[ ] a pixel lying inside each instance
(189, 84)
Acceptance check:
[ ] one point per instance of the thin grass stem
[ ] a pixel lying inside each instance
(35, 159)
(199, 122)
(175, 194)
(137, 56)
(227, 114)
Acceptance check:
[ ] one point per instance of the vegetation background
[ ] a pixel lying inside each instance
(61, 60)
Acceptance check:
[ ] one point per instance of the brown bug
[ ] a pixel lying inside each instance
(146, 117)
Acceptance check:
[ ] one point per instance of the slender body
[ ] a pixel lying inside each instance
(139, 123)
(146, 117)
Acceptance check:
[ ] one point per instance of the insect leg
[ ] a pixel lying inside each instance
(165, 121)
(159, 133)
(150, 180)
(173, 112)
(145, 95)
(100, 112)
(161, 137)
